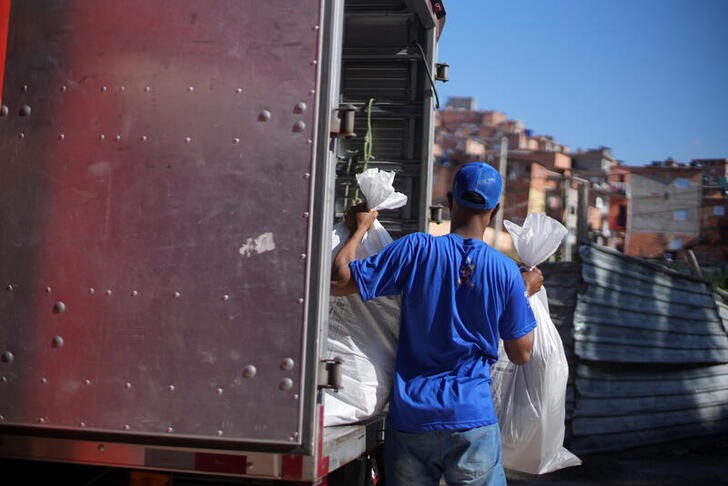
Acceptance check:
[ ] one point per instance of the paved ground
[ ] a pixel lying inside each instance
(684, 463)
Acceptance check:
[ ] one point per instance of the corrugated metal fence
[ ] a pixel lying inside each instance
(647, 350)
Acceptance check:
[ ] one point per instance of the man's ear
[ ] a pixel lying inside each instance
(449, 201)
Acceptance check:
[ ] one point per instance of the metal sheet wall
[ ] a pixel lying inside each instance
(648, 352)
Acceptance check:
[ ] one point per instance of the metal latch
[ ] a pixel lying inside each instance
(330, 373)
(342, 124)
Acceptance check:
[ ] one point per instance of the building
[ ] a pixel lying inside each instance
(664, 208)
(712, 247)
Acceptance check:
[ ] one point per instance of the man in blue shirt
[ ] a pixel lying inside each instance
(459, 296)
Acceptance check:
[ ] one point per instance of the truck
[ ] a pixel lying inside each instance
(170, 172)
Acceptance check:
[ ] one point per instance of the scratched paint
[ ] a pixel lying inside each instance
(257, 245)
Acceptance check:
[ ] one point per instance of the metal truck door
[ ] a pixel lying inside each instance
(157, 161)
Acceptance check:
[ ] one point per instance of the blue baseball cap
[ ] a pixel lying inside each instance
(477, 185)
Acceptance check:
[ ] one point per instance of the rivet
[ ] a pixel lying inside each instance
(249, 465)
(24, 110)
(225, 297)
(312, 92)
(188, 139)
(41, 420)
(170, 430)
(219, 432)
(291, 438)
(57, 342)
(82, 424)
(307, 175)
(7, 357)
(306, 215)
(219, 391)
(24, 89)
(9, 288)
(264, 116)
(64, 89)
(285, 384)
(170, 388)
(2, 418)
(108, 292)
(44, 381)
(295, 434)
(3, 379)
(177, 295)
(102, 137)
(59, 307)
(299, 126)
(126, 427)
(302, 256)
(300, 108)
(236, 140)
(61, 136)
(314, 62)
(295, 397)
(92, 291)
(300, 300)
(316, 27)
(48, 290)
(143, 138)
(287, 364)
(127, 385)
(147, 89)
(117, 138)
(21, 135)
(249, 371)
(190, 88)
(101, 448)
(309, 141)
(239, 90)
(4, 110)
(104, 89)
(86, 382)
(122, 88)
(134, 293)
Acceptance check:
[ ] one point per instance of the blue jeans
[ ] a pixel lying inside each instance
(466, 457)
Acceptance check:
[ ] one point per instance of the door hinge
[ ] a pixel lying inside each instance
(330, 373)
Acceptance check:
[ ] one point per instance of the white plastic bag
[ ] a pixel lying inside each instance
(364, 334)
(376, 185)
(530, 399)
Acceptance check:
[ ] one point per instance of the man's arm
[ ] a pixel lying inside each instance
(359, 220)
(519, 350)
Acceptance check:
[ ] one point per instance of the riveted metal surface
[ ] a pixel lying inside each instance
(173, 256)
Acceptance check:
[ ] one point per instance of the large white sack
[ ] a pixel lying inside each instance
(364, 334)
(530, 399)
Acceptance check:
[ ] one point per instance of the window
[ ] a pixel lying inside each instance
(718, 210)
(680, 215)
(682, 183)
(622, 217)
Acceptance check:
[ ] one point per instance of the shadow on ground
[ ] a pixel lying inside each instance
(689, 462)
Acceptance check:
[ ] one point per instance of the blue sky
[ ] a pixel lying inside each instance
(648, 78)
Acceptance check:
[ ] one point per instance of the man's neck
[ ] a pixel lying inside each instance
(472, 229)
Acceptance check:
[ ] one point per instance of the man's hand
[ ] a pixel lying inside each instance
(360, 218)
(533, 278)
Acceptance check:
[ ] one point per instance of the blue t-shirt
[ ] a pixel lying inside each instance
(458, 296)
